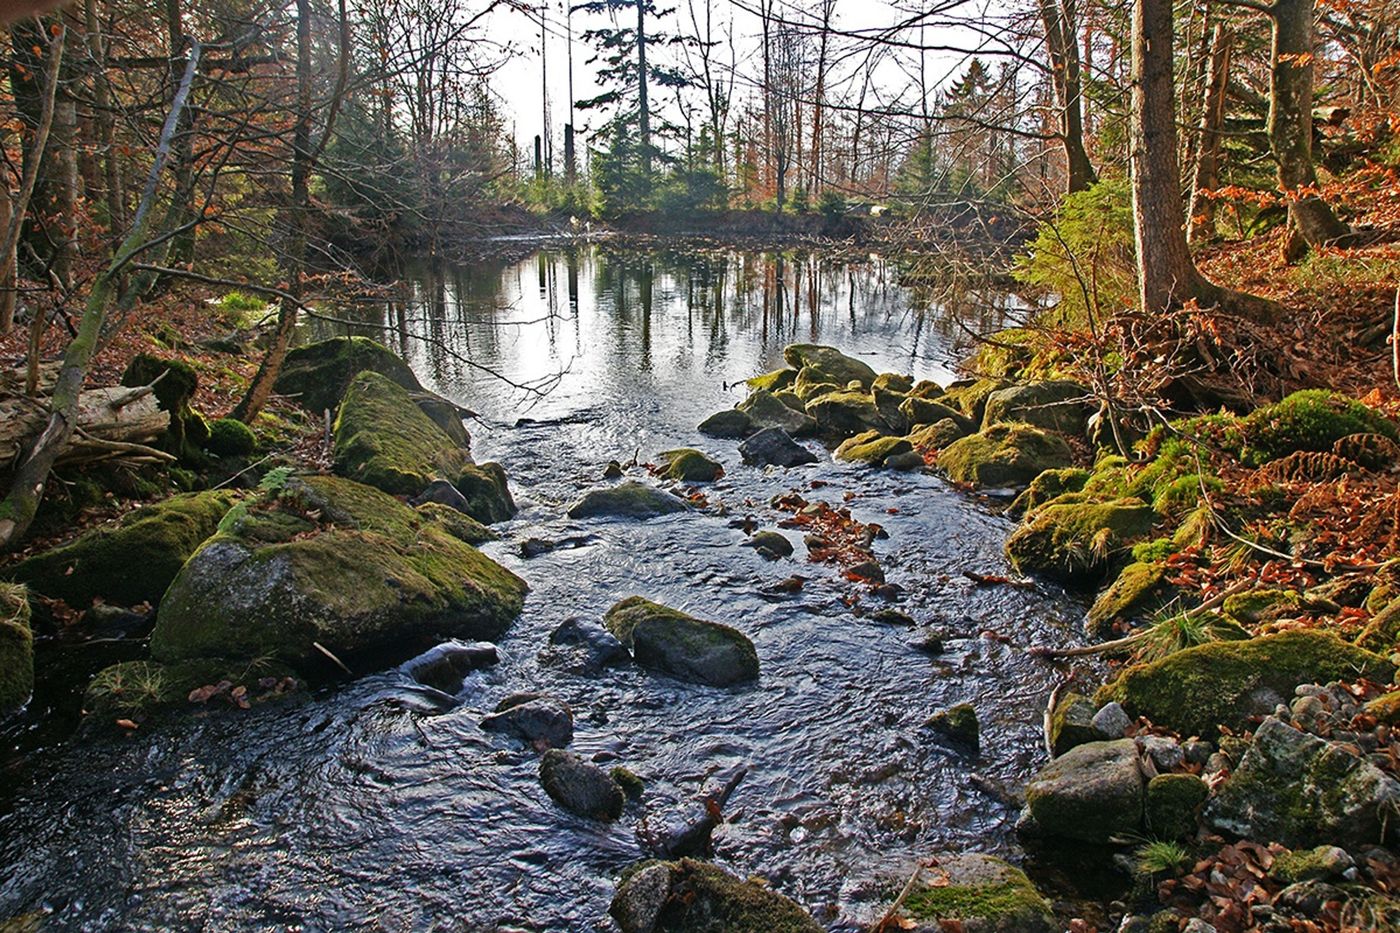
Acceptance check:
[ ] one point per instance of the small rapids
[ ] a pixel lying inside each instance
(381, 805)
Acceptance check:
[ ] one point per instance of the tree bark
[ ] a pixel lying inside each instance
(102, 416)
(642, 102)
(1061, 29)
(1310, 220)
(1207, 174)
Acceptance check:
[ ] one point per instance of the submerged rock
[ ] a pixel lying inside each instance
(532, 719)
(766, 410)
(627, 500)
(1004, 455)
(978, 893)
(841, 368)
(1302, 790)
(690, 466)
(383, 440)
(1228, 682)
(689, 896)
(957, 724)
(1091, 793)
(132, 561)
(318, 374)
(16, 649)
(672, 642)
(731, 423)
(770, 544)
(374, 579)
(595, 646)
(773, 447)
(444, 667)
(580, 786)
(1074, 541)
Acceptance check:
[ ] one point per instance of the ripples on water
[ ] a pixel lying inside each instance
(368, 807)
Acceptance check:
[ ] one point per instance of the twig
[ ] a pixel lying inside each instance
(327, 652)
(1049, 717)
(1395, 339)
(890, 920)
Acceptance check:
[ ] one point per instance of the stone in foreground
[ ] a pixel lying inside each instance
(627, 500)
(580, 786)
(773, 447)
(672, 642)
(1091, 793)
(688, 896)
(977, 893)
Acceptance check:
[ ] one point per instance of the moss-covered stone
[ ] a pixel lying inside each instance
(927, 411)
(632, 786)
(690, 466)
(1004, 455)
(845, 413)
(766, 410)
(957, 724)
(775, 381)
(926, 388)
(1382, 632)
(731, 423)
(229, 437)
(1050, 484)
(841, 368)
(971, 396)
(458, 524)
(980, 894)
(1172, 804)
(1225, 683)
(1072, 723)
(1139, 590)
(371, 580)
(1386, 708)
(811, 384)
(175, 383)
(488, 496)
(627, 500)
(1055, 406)
(318, 374)
(871, 448)
(938, 435)
(16, 649)
(1075, 541)
(132, 561)
(1093, 792)
(689, 896)
(1317, 863)
(1258, 606)
(382, 439)
(676, 643)
(887, 403)
(896, 383)
(1313, 419)
(139, 689)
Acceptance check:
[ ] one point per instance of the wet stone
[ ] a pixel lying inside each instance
(535, 720)
(773, 447)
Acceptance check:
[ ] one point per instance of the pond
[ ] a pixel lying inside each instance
(368, 807)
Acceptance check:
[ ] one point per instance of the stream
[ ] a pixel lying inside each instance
(364, 807)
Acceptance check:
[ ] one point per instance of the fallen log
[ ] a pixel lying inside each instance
(110, 421)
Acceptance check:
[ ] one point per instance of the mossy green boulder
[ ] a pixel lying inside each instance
(1140, 589)
(175, 383)
(1225, 683)
(970, 396)
(1313, 419)
(1172, 805)
(488, 498)
(1004, 455)
(978, 893)
(229, 437)
(1055, 406)
(382, 439)
(131, 561)
(958, 724)
(16, 649)
(1092, 793)
(872, 448)
(689, 896)
(775, 381)
(1382, 632)
(372, 580)
(1258, 606)
(1049, 485)
(894, 383)
(690, 466)
(138, 689)
(318, 374)
(627, 500)
(1072, 723)
(938, 435)
(841, 368)
(927, 411)
(766, 410)
(1074, 542)
(458, 524)
(678, 644)
(845, 413)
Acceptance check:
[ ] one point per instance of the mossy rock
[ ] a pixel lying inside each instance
(1259, 606)
(845, 413)
(958, 724)
(627, 500)
(690, 466)
(175, 383)
(1386, 708)
(1140, 589)
(229, 437)
(1074, 542)
(689, 896)
(813, 384)
(731, 423)
(1092, 793)
(140, 689)
(1386, 588)
(132, 561)
(676, 643)
(1315, 864)
(926, 388)
(318, 374)
(927, 411)
(938, 435)
(979, 894)
(766, 410)
(373, 581)
(896, 383)
(871, 448)
(887, 403)
(775, 381)
(1313, 419)
(1072, 723)
(841, 368)
(1004, 455)
(458, 524)
(488, 496)
(1055, 406)
(971, 396)
(1225, 683)
(16, 649)
(792, 400)
(1050, 484)
(384, 440)
(1172, 805)
(1382, 632)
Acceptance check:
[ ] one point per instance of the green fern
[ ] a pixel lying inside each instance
(275, 480)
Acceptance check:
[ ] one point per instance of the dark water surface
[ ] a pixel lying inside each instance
(366, 807)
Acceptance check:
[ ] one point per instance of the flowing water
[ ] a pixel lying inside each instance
(367, 807)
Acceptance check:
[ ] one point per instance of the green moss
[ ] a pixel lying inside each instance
(16, 648)
(318, 374)
(1140, 589)
(1386, 708)
(1258, 606)
(1184, 493)
(808, 390)
(775, 381)
(1050, 484)
(1223, 683)
(971, 397)
(1313, 419)
(1004, 896)
(132, 561)
(1004, 455)
(894, 382)
(838, 367)
(1305, 865)
(142, 688)
(631, 785)
(1382, 632)
(175, 383)
(1172, 803)
(229, 437)
(1154, 551)
(926, 411)
(871, 448)
(938, 435)
(1071, 723)
(679, 644)
(384, 440)
(844, 413)
(1007, 354)
(458, 525)
(1075, 541)
(488, 496)
(690, 466)
(707, 899)
(958, 723)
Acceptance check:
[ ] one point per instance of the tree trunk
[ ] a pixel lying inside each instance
(1207, 174)
(642, 104)
(105, 419)
(1058, 17)
(180, 252)
(1310, 221)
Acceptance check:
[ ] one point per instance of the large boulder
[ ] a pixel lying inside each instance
(840, 368)
(131, 561)
(687, 648)
(1301, 790)
(580, 786)
(689, 896)
(938, 435)
(1091, 793)
(773, 447)
(16, 649)
(977, 893)
(369, 580)
(1075, 541)
(845, 413)
(918, 411)
(627, 500)
(384, 440)
(766, 410)
(1004, 455)
(318, 374)
(776, 381)
(1055, 406)
(1140, 589)
(1225, 683)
